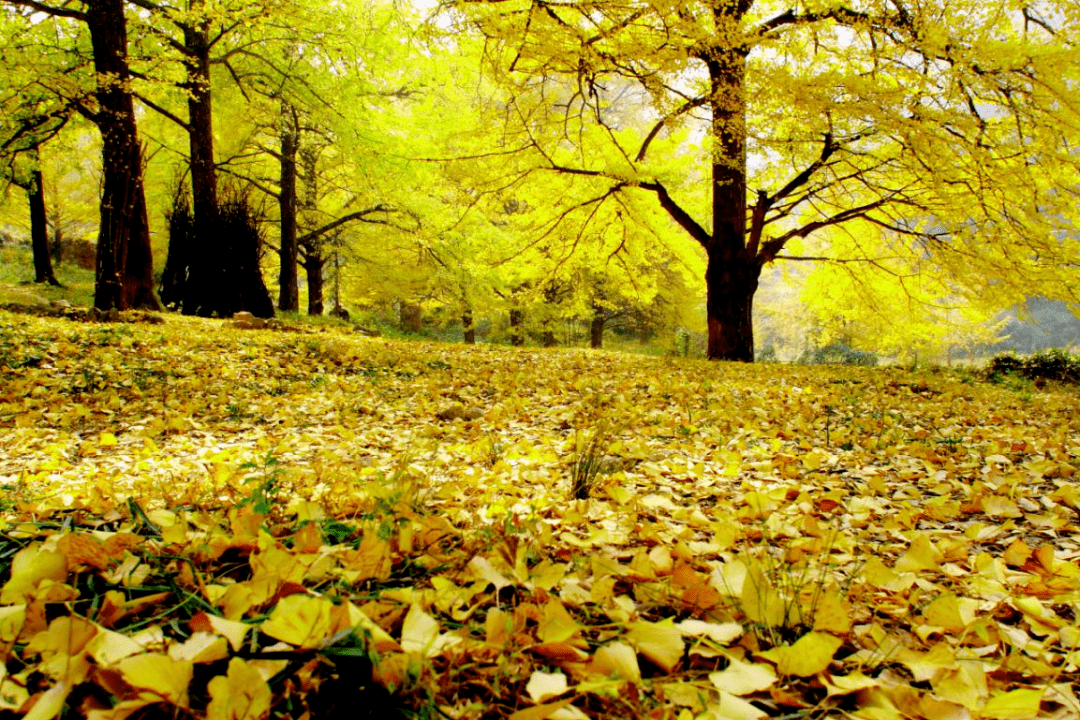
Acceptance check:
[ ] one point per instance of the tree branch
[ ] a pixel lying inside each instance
(162, 111)
(358, 215)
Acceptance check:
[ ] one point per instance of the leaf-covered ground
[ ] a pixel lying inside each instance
(204, 521)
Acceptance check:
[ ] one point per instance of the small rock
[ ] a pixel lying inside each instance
(247, 321)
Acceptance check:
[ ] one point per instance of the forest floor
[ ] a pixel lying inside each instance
(206, 521)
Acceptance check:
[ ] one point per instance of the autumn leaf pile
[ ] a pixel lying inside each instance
(202, 521)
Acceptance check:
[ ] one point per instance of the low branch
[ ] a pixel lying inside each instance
(162, 111)
(360, 215)
(51, 10)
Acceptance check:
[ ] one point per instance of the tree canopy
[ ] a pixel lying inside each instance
(562, 161)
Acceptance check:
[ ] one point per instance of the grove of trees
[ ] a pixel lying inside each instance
(515, 165)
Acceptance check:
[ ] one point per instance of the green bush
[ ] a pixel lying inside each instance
(1056, 365)
(838, 353)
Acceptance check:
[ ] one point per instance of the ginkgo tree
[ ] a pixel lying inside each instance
(952, 126)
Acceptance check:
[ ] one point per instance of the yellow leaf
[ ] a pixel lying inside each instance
(616, 658)
(419, 631)
(201, 647)
(67, 636)
(732, 707)
(160, 674)
(882, 577)
(556, 625)
(848, 684)
(760, 600)
(662, 644)
(484, 570)
(12, 619)
(301, 620)
(420, 634)
(106, 439)
(1019, 704)
(50, 703)
(830, 615)
(920, 555)
(742, 678)
(497, 627)
(232, 630)
(539, 712)
(810, 655)
(949, 613)
(722, 633)
(29, 568)
(241, 694)
(544, 686)
(108, 647)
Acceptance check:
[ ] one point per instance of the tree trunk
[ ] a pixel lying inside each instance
(175, 288)
(410, 316)
(517, 329)
(314, 246)
(288, 290)
(39, 227)
(313, 269)
(469, 327)
(731, 287)
(203, 257)
(596, 329)
(732, 275)
(125, 263)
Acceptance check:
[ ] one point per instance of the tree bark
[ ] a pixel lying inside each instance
(731, 277)
(125, 264)
(469, 327)
(411, 317)
(288, 284)
(204, 200)
(39, 228)
(313, 244)
(313, 269)
(517, 327)
(596, 329)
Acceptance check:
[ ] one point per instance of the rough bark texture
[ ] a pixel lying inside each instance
(125, 267)
(313, 244)
(204, 201)
(39, 230)
(288, 284)
(733, 269)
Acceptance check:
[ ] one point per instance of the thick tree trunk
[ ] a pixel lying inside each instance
(731, 286)
(733, 269)
(410, 317)
(288, 285)
(596, 329)
(204, 200)
(174, 277)
(469, 327)
(39, 228)
(313, 269)
(125, 265)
